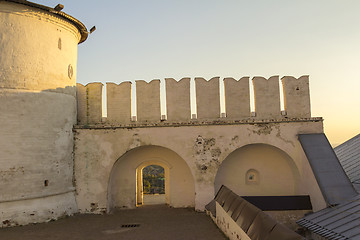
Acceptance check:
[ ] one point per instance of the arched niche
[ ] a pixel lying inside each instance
(252, 176)
(258, 170)
(123, 188)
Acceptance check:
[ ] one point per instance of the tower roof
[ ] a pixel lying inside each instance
(79, 25)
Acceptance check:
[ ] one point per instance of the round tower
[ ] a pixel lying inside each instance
(38, 58)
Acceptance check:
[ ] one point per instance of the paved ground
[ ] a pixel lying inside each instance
(155, 222)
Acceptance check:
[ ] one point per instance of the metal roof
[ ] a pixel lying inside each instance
(79, 25)
(348, 154)
(340, 222)
(331, 177)
(254, 222)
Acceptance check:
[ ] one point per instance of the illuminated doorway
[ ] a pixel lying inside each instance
(153, 185)
(125, 188)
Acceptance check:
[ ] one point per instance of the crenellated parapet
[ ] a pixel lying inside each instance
(267, 97)
(148, 101)
(89, 103)
(178, 99)
(256, 98)
(118, 102)
(296, 96)
(237, 98)
(207, 98)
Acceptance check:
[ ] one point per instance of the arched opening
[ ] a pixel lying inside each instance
(258, 170)
(153, 183)
(153, 180)
(125, 189)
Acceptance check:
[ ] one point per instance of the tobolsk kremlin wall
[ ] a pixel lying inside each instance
(38, 61)
(253, 153)
(59, 155)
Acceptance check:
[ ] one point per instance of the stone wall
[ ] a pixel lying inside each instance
(40, 104)
(38, 110)
(237, 100)
(204, 152)
(200, 153)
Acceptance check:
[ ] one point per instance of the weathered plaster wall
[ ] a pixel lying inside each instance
(38, 110)
(275, 173)
(37, 92)
(38, 50)
(37, 210)
(203, 147)
(122, 186)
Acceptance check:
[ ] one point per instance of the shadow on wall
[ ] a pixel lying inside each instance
(258, 170)
(122, 187)
(36, 148)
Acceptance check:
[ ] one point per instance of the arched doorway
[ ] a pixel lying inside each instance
(258, 170)
(153, 183)
(125, 183)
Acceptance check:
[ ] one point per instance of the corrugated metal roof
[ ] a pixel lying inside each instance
(348, 154)
(254, 222)
(333, 181)
(340, 222)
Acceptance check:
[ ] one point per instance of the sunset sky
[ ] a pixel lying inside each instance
(156, 39)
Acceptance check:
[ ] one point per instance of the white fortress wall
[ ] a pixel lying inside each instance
(267, 97)
(207, 98)
(237, 98)
(236, 92)
(296, 96)
(178, 99)
(148, 101)
(203, 148)
(203, 144)
(118, 102)
(41, 103)
(89, 103)
(38, 110)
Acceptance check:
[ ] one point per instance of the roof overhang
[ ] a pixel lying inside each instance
(79, 25)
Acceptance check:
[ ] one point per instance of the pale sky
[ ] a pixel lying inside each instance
(156, 39)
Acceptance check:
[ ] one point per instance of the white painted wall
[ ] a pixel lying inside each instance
(202, 147)
(122, 182)
(276, 173)
(38, 110)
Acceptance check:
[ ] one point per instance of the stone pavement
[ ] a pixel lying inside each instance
(147, 222)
